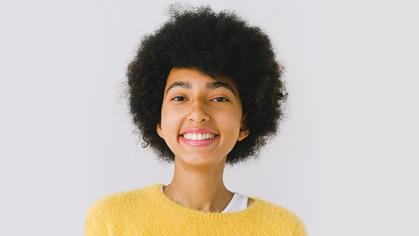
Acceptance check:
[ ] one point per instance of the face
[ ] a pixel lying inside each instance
(194, 100)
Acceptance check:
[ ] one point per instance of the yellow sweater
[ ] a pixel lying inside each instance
(148, 211)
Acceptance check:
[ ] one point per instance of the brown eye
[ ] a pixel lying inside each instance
(175, 98)
(223, 99)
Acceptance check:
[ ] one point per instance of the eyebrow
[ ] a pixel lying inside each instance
(210, 85)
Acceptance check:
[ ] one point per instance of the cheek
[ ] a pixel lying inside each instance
(230, 122)
(170, 119)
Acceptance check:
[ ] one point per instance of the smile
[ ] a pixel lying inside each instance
(199, 141)
(198, 136)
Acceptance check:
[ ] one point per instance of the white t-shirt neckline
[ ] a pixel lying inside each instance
(237, 203)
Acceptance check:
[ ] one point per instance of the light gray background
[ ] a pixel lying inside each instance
(345, 160)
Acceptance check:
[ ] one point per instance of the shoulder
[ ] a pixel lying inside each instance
(110, 211)
(117, 201)
(125, 197)
(284, 216)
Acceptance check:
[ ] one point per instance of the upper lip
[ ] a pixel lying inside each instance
(199, 131)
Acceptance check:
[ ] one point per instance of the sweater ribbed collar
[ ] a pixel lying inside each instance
(161, 200)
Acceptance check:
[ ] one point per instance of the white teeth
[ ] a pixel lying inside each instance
(198, 136)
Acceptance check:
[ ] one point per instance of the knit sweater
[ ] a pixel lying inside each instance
(237, 203)
(148, 211)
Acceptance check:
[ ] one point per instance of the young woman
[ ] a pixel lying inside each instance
(205, 91)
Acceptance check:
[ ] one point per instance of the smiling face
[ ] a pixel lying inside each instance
(192, 100)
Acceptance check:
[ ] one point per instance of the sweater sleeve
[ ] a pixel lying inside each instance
(299, 229)
(95, 224)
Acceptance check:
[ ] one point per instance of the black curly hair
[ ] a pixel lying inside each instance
(220, 45)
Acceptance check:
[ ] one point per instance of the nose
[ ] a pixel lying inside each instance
(197, 112)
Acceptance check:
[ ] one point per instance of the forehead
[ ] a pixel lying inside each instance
(191, 77)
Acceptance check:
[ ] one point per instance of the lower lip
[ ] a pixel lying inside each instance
(198, 143)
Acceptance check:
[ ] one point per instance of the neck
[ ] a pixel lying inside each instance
(201, 189)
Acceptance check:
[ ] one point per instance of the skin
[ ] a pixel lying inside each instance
(198, 171)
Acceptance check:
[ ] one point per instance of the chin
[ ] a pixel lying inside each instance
(199, 160)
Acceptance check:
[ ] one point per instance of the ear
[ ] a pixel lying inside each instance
(158, 130)
(244, 132)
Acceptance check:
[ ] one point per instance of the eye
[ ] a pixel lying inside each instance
(181, 98)
(224, 99)
(175, 98)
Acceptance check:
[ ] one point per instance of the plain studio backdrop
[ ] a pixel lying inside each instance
(345, 159)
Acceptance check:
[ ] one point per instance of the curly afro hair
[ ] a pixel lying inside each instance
(220, 45)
